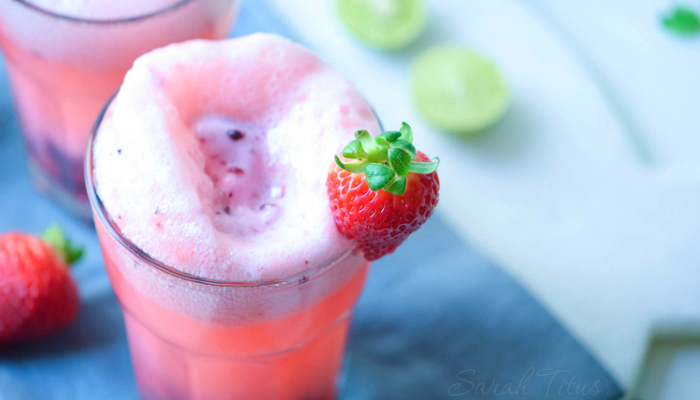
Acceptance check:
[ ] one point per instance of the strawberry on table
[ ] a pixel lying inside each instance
(37, 294)
(382, 190)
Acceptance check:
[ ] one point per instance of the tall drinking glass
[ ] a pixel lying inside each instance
(63, 67)
(197, 339)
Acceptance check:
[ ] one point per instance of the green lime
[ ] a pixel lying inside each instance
(384, 24)
(458, 89)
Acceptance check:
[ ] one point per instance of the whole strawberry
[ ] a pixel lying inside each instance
(37, 294)
(386, 194)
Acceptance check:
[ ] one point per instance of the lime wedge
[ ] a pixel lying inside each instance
(384, 24)
(457, 89)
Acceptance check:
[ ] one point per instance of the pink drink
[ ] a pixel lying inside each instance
(66, 58)
(207, 179)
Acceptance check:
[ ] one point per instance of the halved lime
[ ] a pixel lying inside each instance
(457, 89)
(384, 24)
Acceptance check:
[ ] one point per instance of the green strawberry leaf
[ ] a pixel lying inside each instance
(406, 132)
(390, 136)
(67, 250)
(400, 160)
(385, 159)
(402, 144)
(378, 175)
(682, 20)
(368, 143)
(424, 167)
(398, 187)
(354, 150)
(383, 144)
(357, 168)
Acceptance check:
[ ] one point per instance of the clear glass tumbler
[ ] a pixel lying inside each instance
(197, 339)
(64, 68)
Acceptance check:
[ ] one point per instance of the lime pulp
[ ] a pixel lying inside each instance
(458, 89)
(384, 24)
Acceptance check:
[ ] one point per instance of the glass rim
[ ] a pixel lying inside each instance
(103, 21)
(112, 229)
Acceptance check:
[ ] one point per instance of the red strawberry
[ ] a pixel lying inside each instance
(387, 195)
(37, 294)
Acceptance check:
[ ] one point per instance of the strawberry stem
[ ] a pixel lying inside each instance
(385, 159)
(57, 239)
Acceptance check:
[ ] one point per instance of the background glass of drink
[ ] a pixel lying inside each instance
(197, 339)
(64, 68)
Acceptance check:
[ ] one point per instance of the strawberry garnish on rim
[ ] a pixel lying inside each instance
(382, 190)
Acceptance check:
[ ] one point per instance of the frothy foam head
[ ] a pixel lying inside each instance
(213, 157)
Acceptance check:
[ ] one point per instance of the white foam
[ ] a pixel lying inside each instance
(158, 180)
